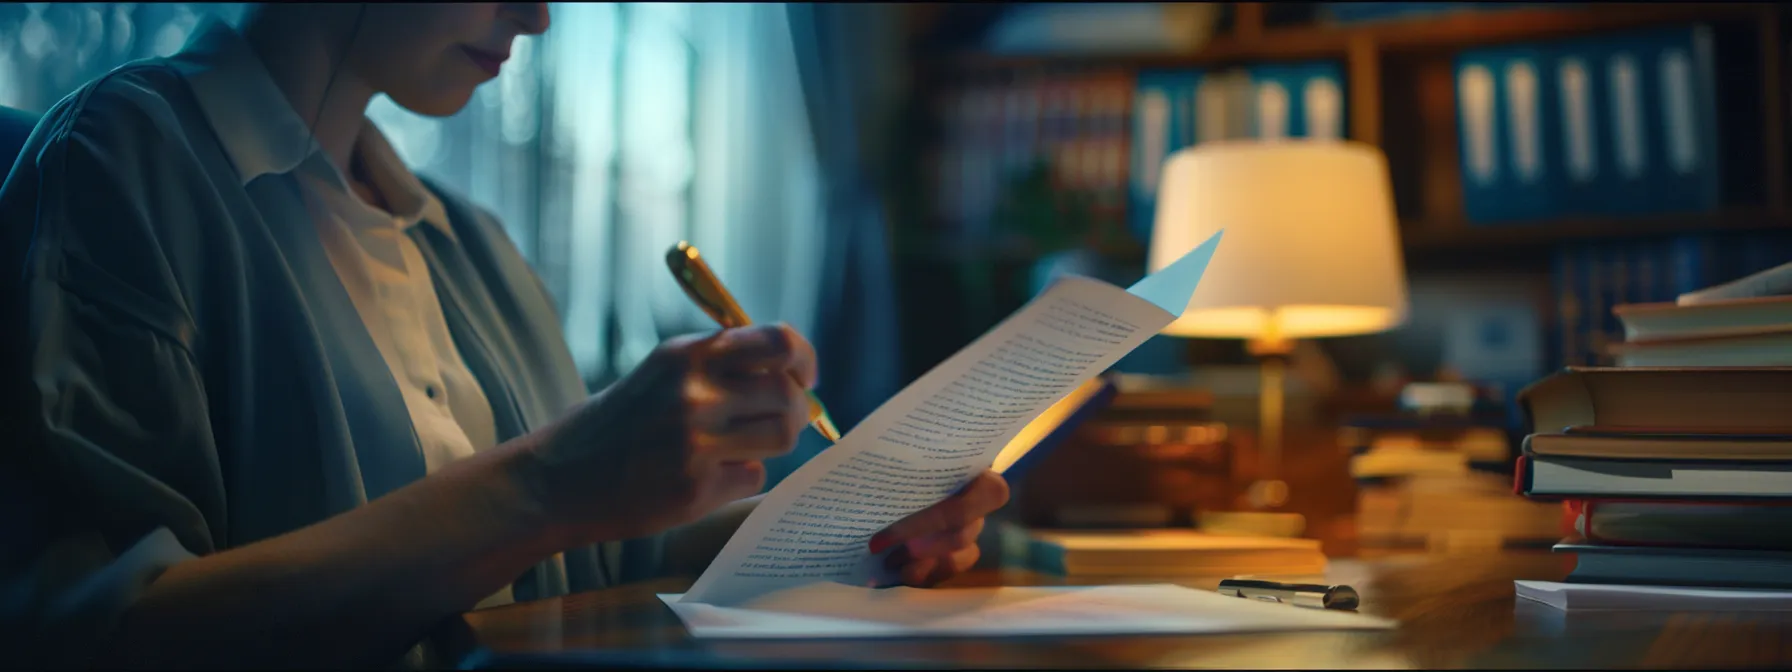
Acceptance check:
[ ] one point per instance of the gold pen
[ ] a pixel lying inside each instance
(704, 288)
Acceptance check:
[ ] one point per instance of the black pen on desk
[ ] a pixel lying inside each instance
(706, 290)
(1312, 596)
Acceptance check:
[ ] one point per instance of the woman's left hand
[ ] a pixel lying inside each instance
(939, 542)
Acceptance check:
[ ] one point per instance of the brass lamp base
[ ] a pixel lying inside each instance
(1268, 492)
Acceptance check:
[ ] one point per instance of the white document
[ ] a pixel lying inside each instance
(1602, 597)
(831, 610)
(934, 436)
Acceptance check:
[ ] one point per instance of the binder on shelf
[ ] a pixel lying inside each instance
(1221, 107)
(1637, 123)
(1162, 113)
(1681, 66)
(1185, 127)
(1502, 95)
(1297, 100)
(1624, 93)
(1579, 165)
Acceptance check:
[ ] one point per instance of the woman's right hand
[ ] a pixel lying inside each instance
(683, 433)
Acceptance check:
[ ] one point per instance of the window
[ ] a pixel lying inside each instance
(584, 146)
(48, 49)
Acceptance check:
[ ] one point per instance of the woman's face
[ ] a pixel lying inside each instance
(428, 57)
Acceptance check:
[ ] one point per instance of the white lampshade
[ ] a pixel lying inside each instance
(1311, 246)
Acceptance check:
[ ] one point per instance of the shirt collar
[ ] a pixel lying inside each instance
(263, 135)
(406, 196)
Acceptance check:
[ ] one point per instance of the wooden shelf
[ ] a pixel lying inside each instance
(1423, 237)
(1447, 31)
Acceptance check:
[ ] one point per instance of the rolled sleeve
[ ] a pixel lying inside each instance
(116, 472)
(118, 438)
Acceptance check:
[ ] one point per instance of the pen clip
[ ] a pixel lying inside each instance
(700, 283)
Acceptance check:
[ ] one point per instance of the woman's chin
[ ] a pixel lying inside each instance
(444, 103)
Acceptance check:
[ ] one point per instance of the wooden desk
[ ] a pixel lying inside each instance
(1456, 611)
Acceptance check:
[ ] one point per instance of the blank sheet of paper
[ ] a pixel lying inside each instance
(1602, 597)
(833, 610)
(939, 432)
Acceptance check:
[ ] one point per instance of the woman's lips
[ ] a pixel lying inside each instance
(487, 61)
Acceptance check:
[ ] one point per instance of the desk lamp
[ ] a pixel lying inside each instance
(1311, 250)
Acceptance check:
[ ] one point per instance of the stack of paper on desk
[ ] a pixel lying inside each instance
(832, 610)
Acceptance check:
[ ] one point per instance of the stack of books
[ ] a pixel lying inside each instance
(1157, 553)
(1672, 476)
(1440, 483)
(1734, 332)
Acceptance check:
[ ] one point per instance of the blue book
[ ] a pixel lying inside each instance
(1679, 71)
(1649, 271)
(1567, 305)
(1502, 97)
(1689, 258)
(1578, 163)
(1590, 289)
(1188, 110)
(1629, 152)
(1298, 100)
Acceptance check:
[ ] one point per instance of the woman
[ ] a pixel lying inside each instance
(289, 405)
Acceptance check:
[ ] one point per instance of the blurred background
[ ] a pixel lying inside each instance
(894, 179)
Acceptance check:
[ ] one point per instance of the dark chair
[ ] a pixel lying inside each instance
(15, 128)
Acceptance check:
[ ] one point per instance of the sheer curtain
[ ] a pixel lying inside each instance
(635, 126)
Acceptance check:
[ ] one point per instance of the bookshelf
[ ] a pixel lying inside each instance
(1399, 94)
(1415, 53)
